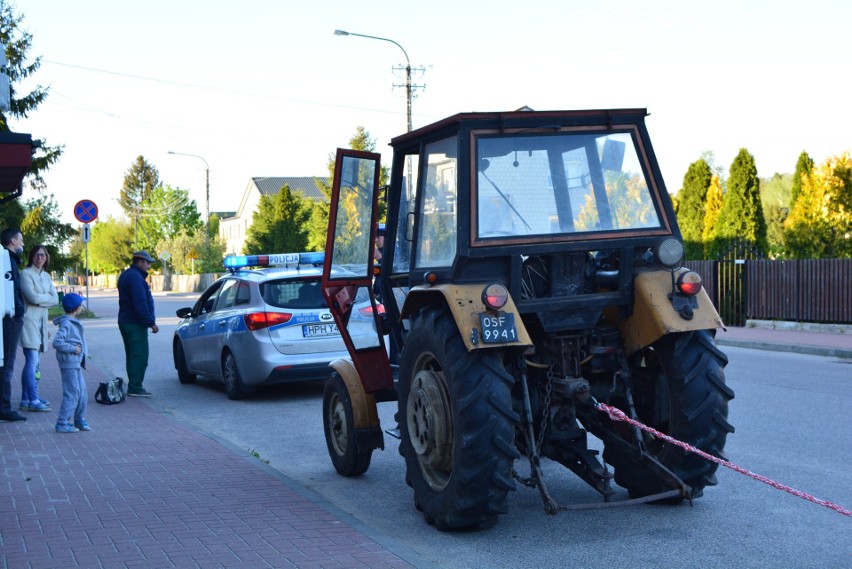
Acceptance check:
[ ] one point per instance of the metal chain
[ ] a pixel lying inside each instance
(545, 415)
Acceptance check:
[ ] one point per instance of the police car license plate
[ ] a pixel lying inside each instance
(499, 328)
(317, 330)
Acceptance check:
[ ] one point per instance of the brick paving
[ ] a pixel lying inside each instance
(141, 490)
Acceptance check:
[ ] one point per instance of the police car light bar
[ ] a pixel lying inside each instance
(236, 262)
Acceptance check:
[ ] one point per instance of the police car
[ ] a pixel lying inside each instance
(264, 326)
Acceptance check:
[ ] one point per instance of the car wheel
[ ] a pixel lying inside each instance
(184, 376)
(231, 376)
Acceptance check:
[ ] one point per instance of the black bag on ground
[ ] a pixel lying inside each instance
(111, 392)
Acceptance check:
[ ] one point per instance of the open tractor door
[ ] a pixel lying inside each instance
(350, 419)
(533, 270)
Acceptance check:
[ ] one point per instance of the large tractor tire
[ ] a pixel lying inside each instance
(456, 423)
(339, 426)
(679, 389)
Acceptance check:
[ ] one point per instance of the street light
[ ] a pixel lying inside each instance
(206, 195)
(407, 68)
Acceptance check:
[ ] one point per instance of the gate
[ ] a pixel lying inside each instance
(731, 280)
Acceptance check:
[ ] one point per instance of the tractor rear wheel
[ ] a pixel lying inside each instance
(679, 389)
(457, 427)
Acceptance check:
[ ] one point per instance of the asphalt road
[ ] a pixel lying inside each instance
(791, 416)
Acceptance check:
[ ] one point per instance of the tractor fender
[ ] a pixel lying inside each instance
(465, 304)
(654, 316)
(364, 410)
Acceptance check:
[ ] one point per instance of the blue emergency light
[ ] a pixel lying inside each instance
(236, 262)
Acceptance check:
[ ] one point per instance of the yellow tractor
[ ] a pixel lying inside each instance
(531, 269)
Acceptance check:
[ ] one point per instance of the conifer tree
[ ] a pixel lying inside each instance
(711, 217)
(804, 166)
(820, 223)
(691, 207)
(741, 215)
(279, 224)
(139, 182)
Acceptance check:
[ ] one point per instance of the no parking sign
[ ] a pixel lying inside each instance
(86, 211)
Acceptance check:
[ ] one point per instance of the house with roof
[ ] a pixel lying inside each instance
(233, 229)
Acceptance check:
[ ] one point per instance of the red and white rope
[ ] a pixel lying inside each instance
(618, 415)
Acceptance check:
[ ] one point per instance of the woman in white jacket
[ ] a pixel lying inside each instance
(39, 295)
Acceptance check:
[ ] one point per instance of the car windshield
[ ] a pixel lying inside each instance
(561, 184)
(290, 293)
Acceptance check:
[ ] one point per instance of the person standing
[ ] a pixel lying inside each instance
(135, 317)
(71, 352)
(12, 240)
(39, 295)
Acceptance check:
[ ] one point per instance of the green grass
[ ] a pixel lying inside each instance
(55, 311)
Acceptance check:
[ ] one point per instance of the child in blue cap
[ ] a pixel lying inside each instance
(71, 350)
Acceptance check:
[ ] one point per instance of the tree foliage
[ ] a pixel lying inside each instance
(139, 182)
(111, 246)
(318, 223)
(820, 222)
(164, 212)
(280, 224)
(715, 198)
(41, 225)
(184, 245)
(691, 207)
(804, 166)
(18, 43)
(741, 215)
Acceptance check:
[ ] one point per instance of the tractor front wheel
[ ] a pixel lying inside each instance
(338, 420)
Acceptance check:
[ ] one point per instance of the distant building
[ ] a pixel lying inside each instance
(233, 229)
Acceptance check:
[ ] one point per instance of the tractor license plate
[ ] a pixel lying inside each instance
(319, 330)
(498, 329)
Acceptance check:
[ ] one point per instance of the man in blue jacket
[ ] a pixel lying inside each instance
(135, 316)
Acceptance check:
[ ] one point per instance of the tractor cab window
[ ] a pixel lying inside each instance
(560, 184)
(436, 246)
(405, 227)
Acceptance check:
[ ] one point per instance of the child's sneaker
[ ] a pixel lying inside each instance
(24, 406)
(44, 402)
(66, 428)
(82, 425)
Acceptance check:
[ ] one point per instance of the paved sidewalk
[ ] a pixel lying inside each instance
(141, 490)
(783, 337)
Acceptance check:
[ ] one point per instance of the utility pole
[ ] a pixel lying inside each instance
(409, 87)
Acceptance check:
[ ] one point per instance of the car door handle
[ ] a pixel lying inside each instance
(222, 323)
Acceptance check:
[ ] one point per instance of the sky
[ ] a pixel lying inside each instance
(265, 87)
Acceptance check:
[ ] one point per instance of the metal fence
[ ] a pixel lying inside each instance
(805, 290)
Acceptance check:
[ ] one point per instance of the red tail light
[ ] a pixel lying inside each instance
(689, 283)
(261, 320)
(367, 311)
(495, 296)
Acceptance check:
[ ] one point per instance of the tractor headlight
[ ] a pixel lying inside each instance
(669, 252)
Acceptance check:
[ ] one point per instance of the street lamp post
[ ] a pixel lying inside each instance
(206, 197)
(407, 68)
